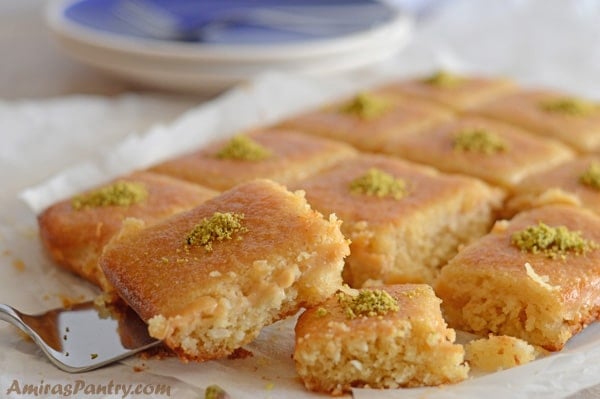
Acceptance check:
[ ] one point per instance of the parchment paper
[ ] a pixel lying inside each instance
(535, 42)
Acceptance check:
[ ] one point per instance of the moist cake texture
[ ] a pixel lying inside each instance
(576, 181)
(281, 155)
(496, 152)
(408, 345)
(452, 90)
(536, 277)
(75, 231)
(367, 130)
(405, 238)
(269, 255)
(571, 120)
(498, 352)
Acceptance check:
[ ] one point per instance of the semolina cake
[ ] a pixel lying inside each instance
(75, 231)
(498, 153)
(208, 280)
(366, 119)
(389, 337)
(281, 155)
(577, 181)
(452, 90)
(572, 120)
(404, 220)
(498, 352)
(536, 277)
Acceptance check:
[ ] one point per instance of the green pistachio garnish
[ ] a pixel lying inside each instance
(591, 176)
(243, 148)
(215, 392)
(120, 193)
(554, 242)
(322, 312)
(219, 227)
(367, 303)
(479, 140)
(366, 106)
(569, 106)
(444, 79)
(380, 184)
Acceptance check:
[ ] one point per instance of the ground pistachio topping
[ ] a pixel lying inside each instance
(243, 148)
(444, 79)
(120, 193)
(366, 106)
(554, 242)
(479, 140)
(215, 392)
(569, 106)
(220, 226)
(380, 184)
(368, 303)
(322, 312)
(591, 176)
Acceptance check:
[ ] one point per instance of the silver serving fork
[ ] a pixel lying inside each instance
(83, 337)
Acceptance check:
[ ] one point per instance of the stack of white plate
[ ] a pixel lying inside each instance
(209, 45)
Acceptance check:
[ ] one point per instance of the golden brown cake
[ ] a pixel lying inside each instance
(281, 155)
(536, 277)
(496, 152)
(578, 179)
(498, 352)
(404, 220)
(386, 338)
(366, 119)
(209, 279)
(75, 231)
(571, 120)
(451, 90)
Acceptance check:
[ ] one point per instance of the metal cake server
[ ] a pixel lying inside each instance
(83, 337)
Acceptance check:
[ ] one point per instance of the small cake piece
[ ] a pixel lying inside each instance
(378, 338)
(277, 154)
(498, 352)
(366, 119)
(536, 277)
(496, 152)
(75, 231)
(404, 220)
(579, 178)
(571, 120)
(451, 90)
(209, 279)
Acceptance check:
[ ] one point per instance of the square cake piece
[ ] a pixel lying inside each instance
(75, 231)
(451, 90)
(366, 119)
(536, 277)
(209, 279)
(404, 220)
(496, 152)
(571, 120)
(281, 155)
(577, 180)
(390, 337)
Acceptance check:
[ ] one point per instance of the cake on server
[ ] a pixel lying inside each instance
(451, 90)
(496, 152)
(75, 231)
(366, 119)
(404, 220)
(536, 277)
(208, 280)
(574, 121)
(277, 154)
(390, 337)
